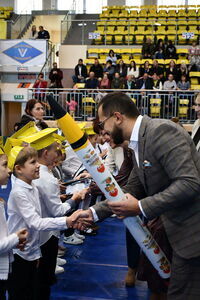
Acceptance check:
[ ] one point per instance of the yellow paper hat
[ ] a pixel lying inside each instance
(89, 130)
(1, 145)
(10, 143)
(82, 124)
(59, 138)
(25, 131)
(41, 139)
(1, 151)
(13, 155)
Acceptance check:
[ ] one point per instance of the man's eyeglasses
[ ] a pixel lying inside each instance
(101, 124)
(197, 104)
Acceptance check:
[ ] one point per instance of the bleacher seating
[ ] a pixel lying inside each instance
(5, 14)
(132, 24)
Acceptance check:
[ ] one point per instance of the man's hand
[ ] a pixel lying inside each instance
(79, 196)
(127, 207)
(73, 219)
(84, 222)
(22, 235)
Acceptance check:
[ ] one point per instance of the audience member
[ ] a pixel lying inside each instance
(145, 82)
(146, 69)
(56, 76)
(121, 69)
(133, 69)
(33, 34)
(148, 49)
(112, 57)
(72, 104)
(130, 83)
(183, 84)
(109, 69)
(194, 57)
(157, 83)
(172, 70)
(34, 111)
(91, 82)
(182, 70)
(117, 82)
(39, 85)
(171, 50)
(105, 82)
(156, 68)
(160, 50)
(170, 84)
(43, 34)
(80, 72)
(97, 69)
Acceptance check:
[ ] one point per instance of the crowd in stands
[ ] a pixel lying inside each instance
(115, 74)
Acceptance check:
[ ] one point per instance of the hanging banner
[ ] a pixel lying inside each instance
(22, 54)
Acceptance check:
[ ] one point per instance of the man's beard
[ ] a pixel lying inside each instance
(117, 135)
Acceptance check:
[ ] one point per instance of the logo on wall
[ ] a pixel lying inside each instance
(22, 52)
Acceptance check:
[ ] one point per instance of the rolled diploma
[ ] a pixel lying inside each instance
(109, 187)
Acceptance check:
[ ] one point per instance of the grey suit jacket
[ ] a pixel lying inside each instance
(169, 186)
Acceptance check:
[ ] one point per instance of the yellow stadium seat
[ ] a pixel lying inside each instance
(167, 61)
(172, 14)
(182, 61)
(93, 53)
(183, 108)
(155, 107)
(182, 13)
(128, 39)
(88, 106)
(194, 74)
(3, 29)
(80, 85)
(195, 87)
(192, 13)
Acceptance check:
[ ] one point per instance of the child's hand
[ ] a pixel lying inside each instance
(22, 235)
(79, 196)
(83, 175)
(70, 221)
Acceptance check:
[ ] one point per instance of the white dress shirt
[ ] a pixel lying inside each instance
(7, 243)
(24, 211)
(49, 195)
(133, 144)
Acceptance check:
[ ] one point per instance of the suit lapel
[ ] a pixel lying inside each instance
(141, 149)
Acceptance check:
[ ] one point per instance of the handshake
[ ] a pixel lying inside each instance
(80, 219)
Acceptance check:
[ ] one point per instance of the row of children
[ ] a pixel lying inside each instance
(36, 214)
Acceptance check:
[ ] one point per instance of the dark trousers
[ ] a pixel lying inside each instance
(22, 280)
(46, 270)
(133, 251)
(3, 289)
(185, 279)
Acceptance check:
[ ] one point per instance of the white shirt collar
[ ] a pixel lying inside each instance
(136, 128)
(23, 183)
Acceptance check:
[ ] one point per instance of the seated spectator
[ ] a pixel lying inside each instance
(145, 83)
(133, 69)
(156, 69)
(39, 85)
(130, 83)
(171, 50)
(34, 111)
(97, 69)
(160, 50)
(183, 84)
(33, 34)
(194, 57)
(182, 71)
(109, 69)
(148, 49)
(117, 82)
(105, 82)
(157, 83)
(146, 69)
(80, 72)
(170, 84)
(56, 76)
(121, 69)
(43, 34)
(112, 57)
(91, 82)
(172, 70)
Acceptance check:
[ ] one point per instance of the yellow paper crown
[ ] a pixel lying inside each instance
(1, 145)
(10, 143)
(41, 139)
(89, 130)
(12, 156)
(1, 151)
(58, 138)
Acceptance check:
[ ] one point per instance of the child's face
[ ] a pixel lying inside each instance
(51, 156)
(4, 170)
(30, 170)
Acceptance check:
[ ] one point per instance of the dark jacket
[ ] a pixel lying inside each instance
(174, 72)
(157, 70)
(148, 83)
(83, 71)
(148, 50)
(123, 71)
(143, 70)
(171, 51)
(91, 83)
(132, 86)
(117, 83)
(98, 70)
(26, 119)
(44, 35)
(56, 78)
